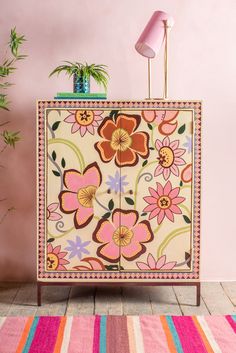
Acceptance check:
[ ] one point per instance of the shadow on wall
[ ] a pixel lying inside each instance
(18, 185)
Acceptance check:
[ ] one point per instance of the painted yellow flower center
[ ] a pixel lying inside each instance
(164, 202)
(86, 196)
(122, 236)
(120, 140)
(52, 261)
(84, 118)
(166, 157)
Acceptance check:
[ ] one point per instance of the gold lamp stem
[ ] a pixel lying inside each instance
(149, 78)
(166, 60)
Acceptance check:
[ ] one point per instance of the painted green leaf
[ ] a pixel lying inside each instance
(187, 220)
(150, 126)
(182, 129)
(106, 215)
(56, 173)
(54, 156)
(50, 240)
(63, 163)
(129, 201)
(144, 214)
(144, 163)
(55, 125)
(188, 259)
(113, 113)
(181, 183)
(111, 205)
(152, 148)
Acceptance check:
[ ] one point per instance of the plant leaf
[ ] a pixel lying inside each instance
(111, 205)
(149, 126)
(129, 201)
(54, 156)
(187, 220)
(63, 163)
(55, 125)
(56, 173)
(181, 129)
(106, 215)
(50, 240)
(181, 183)
(145, 163)
(143, 214)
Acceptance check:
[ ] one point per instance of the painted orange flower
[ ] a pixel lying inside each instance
(121, 141)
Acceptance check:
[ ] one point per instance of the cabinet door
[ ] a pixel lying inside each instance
(82, 190)
(156, 216)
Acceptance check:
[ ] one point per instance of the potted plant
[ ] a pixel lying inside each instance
(81, 75)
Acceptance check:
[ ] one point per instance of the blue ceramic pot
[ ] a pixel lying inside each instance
(81, 84)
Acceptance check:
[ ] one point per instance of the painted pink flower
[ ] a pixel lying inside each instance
(80, 193)
(91, 264)
(152, 264)
(123, 236)
(84, 120)
(169, 157)
(51, 214)
(55, 258)
(165, 120)
(163, 202)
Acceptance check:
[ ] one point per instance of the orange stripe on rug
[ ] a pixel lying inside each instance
(168, 334)
(25, 334)
(130, 327)
(57, 348)
(202, 335)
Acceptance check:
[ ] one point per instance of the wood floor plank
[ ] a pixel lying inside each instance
(186, 296)
(108, 301)
(216, 299)
(230, 290)
(8, 293)
(163, 301)
(54, 301)
(24, 303)
(136, 301)
(81, 301)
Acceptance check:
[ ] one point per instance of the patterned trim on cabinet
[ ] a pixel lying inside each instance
(107, 275)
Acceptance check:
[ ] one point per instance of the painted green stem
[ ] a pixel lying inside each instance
(71, 146)
(156, 230)
(61, 235)
(186, 209)
(169, 237)
(137, 180)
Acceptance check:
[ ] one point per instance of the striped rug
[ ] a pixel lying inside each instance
(118, 334)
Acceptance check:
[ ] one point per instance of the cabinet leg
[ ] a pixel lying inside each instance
(198, 293)
(39, 292)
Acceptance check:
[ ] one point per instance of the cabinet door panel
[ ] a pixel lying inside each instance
(160, 239)
(77, 199)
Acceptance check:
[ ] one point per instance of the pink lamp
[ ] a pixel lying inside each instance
(150, 42)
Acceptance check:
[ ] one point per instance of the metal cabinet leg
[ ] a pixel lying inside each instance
(39, 292)
(198, 292)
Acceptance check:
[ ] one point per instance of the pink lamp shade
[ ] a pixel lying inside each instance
(153, 35)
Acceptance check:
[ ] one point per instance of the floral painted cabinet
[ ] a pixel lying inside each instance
(118, 190)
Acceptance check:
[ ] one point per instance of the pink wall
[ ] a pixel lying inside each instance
(202, 66)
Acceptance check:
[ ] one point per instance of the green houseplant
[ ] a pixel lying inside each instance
(9, 138)
(81, 75)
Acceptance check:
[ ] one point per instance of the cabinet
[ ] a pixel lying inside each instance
(119, 191)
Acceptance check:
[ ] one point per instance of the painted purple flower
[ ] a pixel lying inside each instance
(117, 182)
(77, 248)
(188, 144)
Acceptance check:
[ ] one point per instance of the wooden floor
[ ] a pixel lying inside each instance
(20, 299)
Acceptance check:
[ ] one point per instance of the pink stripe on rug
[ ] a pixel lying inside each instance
(45, 335)
(231, 322)
(188, 334)
(225, 338)
(96, 337)
(81, 337)
(117, 334)
(153, 334)
(10, 333)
